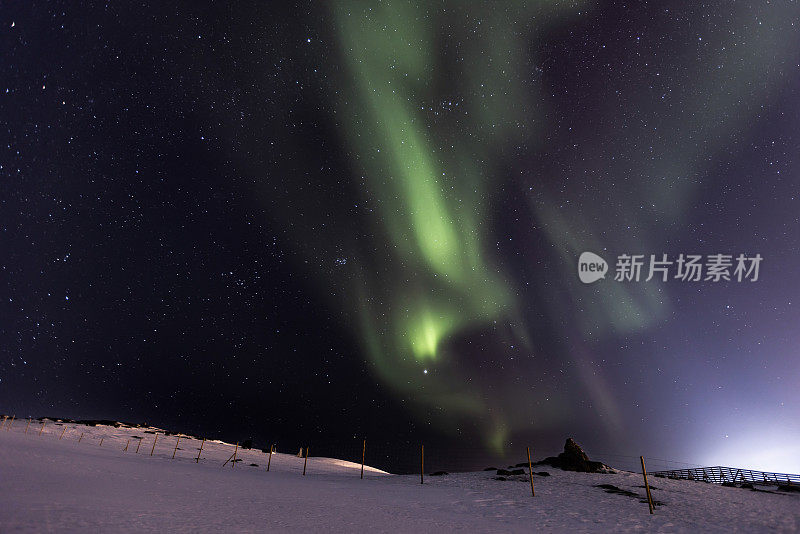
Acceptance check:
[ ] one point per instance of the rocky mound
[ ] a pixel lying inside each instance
(574, 459)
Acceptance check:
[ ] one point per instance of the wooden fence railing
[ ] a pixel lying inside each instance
(719, 475)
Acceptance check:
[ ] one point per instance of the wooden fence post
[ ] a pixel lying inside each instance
(126, 445)
(421, 463)
(4, 422)
(80, 438)
(363, 452)
(101, 440)
(8, 429)
(154, 444)
(139, 445)
(197, 460)
(29, 424)
(530, 470)
(40, 430)
(62, 433)
(269, 461)
(305, 461)
(176, 447)
(646, 485)
(232, 456)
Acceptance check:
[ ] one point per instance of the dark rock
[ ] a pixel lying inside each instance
(253, 465)
(574, 459)
(439, 473)
(247, 444)
(490, 469)
(500, 478)
(543, 474)
(610, 488)
(503, 472)
(573, 450)
(789, 487)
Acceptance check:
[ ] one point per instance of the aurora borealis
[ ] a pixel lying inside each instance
(364, 218)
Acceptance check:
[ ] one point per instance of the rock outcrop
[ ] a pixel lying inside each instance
(574, 459)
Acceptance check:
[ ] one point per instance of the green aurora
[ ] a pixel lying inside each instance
(428, 162)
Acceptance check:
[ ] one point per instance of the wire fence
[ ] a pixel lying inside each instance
(630, 462)
(397, 457)
(394, 457)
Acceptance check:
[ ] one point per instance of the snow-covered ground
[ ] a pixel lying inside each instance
(52, 484)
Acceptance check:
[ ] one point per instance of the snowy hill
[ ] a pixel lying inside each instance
(73, 484)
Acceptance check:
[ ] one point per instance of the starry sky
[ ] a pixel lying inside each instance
(314, 222)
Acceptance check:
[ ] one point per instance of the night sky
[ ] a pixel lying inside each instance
(310, 223)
